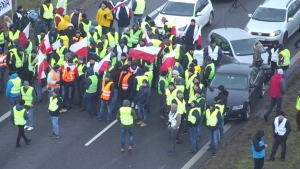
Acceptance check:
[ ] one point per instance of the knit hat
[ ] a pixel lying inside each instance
(92, 28)
(281, 113)
(108, 75)
(123, 54)
(212, 41)
(221, 88)
(19, 7)
(191, 70)
(19, 49)
(78, 31)
(191, 48)
(193, 20)
(55, 67)
(48, 1)
(33, 51)
(171, 84)
(152, 23)
(56, 91)
(70, 60)
(70, 25)
(100, 45)
(199, 92)
(77, 8)
(198, 47)
(280, 71)
(194, 101)
(43, 30)
(146, 81)
(25, 83)
(163, 19)
(179, 91)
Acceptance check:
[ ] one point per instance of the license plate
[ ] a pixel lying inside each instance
(261, 38)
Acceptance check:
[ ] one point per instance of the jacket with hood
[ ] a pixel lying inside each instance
(81, 26)
(57, 19)
(64, 23)
(39, 26)
(88, 81)
(277, 86)
(70, 33)
(144, 95)
(10, 85)
(12, 65)
(17, 16)
(258, 146)
(19, 108)
(126, 103)
(24, 21)
(223, 96)
(104, 17)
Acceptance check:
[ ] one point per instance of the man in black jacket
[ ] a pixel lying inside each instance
(143, 101)
(213, 120)
(55, 106)
(223, 94)
(18, 15)
(192, 123)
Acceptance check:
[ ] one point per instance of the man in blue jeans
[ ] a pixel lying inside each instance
(143, 101)
(193, 120)
(13, 90)
(55, 105)
(213, 119)
(277, 89)
(126, 115)
(201, 101)
(138, 8)
(91, 88)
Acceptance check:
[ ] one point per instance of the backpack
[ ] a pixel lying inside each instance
(32, 14)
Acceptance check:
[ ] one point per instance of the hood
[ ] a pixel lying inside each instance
(236, 97)
(19, 107)
(67, 18)
(225, 93)
(259, 134)
(126, 103)
(60, 11)
(13, 76)
(248, 59)
(181, 21)
(139, 72)
(90, 72)
(263, 26)
(85, 20)
(277, 76)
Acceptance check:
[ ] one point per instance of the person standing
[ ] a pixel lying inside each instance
(13, 89)
(143, 102)
(181, 108)
(173, 127)
(91, 89)
(190, 35)
(53, 80)
(219, 104)
(55, 105)
(18, 15)
(125, 85)
(3, 67)
(2, 38)
(214, 51)
(213, 119)
(47, 13)
(257, 59)
(113, 37)
(209, 71)
(62, 4)
(17, 61)
(201, 101)
(273, 56)
(75, 18)
(298, 112)
(258, 147)
(19, 116)
(281, 129)
(283, 61)
(126, 115)
(163, 84)
(122, 17)
(28, 96)
(104, 17)
(193, 120)
(81, 67)
(138, 8)
(277, 89)
(85, 24)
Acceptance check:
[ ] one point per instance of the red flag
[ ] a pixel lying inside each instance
(148, 53)
(130, 9)
(42, 66)
(168, 61)
(118, 5)
(199, 36)
(53, 47)
(45, 44)
(80, 48)
(24, 36)
(103, 64)
(147, 39)
(174, 30)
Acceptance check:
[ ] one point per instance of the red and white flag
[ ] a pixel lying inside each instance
(24, 36)
(146, 37)
(174, 30)
(118, 5)
(130, 9)
(45, 44)
(53, 47)
(199, 36)
(147, 53)
(168, 61)
(42, 66)
(103, 64)
(80, 48)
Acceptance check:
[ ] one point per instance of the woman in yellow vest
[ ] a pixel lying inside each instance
(27, 94)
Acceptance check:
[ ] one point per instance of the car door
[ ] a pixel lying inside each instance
(201, 12)
(252, 85)
(297, 15)
(291, 25)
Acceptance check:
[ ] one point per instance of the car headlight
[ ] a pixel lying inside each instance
(247, 30)
(275, 33)
(237, 107)
(182, 28)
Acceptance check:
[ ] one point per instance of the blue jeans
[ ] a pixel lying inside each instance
(84, 101)
(162, 105)
(49, 25)
(143, 113)
(284, 75)
(193, 137)
(114, 100)
(80, 90)
(123, 134)
(199, 127)
(102, 107)
(29, 121)
(275, 145)
(54, 120)
(221, 128)
(91, 98)
(137, 19)
(12, 102)
(274, 102)
(214, 134)
(38, 88)
(67, 92)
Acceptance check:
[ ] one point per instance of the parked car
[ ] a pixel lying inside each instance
(274, 20)
(181, 12)
(245, 85)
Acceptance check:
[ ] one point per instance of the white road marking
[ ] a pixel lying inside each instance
(101, 132)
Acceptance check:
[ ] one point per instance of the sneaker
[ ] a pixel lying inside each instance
(55, 136)
(52, 135)
(18, 145)
(210, 149)
(122, 149)
(266, 118)
(25, 127)
(143, 125)
(28, 141)
(162, 117)
(30, 128)
(63, 110)
(139, 123)
(129, 148)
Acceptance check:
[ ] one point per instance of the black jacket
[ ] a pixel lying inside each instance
(223, 96)
(124, 20)
(81, 27)
(60, 105)
(256, 139)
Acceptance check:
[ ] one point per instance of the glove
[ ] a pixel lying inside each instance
(145, 106)
(105, 16)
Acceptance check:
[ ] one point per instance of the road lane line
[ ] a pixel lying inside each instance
(203, 150)
(101, 132)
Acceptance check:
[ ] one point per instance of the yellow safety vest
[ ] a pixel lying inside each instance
(29, 48)
(220, 108)
(143, 25)
(181, 106)
(169, 25)
(65, 40)
(177, 49)
(99, 30)
(95, 36)
(135, 37)
(60, 62)
(53, 104)
(48, 11)
(64, 5)
(156, 42)
(286, 55)
(60, 51)
(165, 82)
(190, 58)
(170, 95)
(192, 95)
(113, 40)
(212, 72)
(93, 87)
(189, 80)
(19, 116)
(27, 96)
(211, 118)
(125, 116)
(86, 27)
(139, 80)
(149, 74)
(129, 42)
(2, 37)
(298, 104)
(19, 61)
(16, 85)
(140, 7)
(102, 53)
(192, 118)
(30, 66)
(80, 68)
(13, 36)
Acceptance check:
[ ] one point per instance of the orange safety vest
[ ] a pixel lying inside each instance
(75, 40)
(124, 80)
(68, 76)
(56, 78)
(3, 61)
(106, 91)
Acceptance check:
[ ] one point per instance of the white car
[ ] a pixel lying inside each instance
(181, 12)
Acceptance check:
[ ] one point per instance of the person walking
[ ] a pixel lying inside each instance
(91, 88)
(193, 120)
(20, 116)
(213, 119)
(298, 112)
(281, 129)
(143, 102)
(126, 115)
(13, 89)
(258, 147)
(28, 96)
(55, 105)
(138, 8)
(277, 89)
(173, 127)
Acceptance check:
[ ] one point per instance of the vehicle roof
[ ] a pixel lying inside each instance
(277, 4)
(235, 69)
(233, 33)
(184, 1)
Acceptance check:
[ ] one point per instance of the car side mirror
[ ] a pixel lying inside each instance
(199, 13)
(249, 15)
(158, 9)
(290, 19)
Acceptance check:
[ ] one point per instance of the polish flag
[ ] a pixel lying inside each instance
(168, 61)
(45, 44)
(24, 36)
(53, 47)
(130, 9)
(174, 30)
(118, 5)
(199, 36)
(42, 66)
(147, 53)
(146, 37)
(80, 48)
(103, 64)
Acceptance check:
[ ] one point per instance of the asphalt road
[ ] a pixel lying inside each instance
(151, 143)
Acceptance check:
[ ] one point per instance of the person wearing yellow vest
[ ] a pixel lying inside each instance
(40, 37)
(13, 87)
(174, 122)
(53, 80)
(179, 50)
(100, 51)
(188, 58)
(104, 17)
(197, 68)
(126, 37)
(84, 25)
(219, 104)
(213, 120)
(209, 70)
(145, 24)
(13, 34)
(191, 94)
(113, 37)
(81, 67)
(135, 34)
(143, 101)
(62, 4)
(77, 37)
(201, 102)
(17, 61)
(54, 108)
(190, 78)
(76, 17)
(61, 51)
(97, 27)
(47, 13)
(58, 17)
(283, 61)
(138, 8)
(181, 108)
(57, 60)
(298, 112)
(126, 115)
(3, 66)
(2, 37)
(27, 93)
(137, 82)
(20, 116)
(107, 93)
(30, 61)
(167, 25)
(170, 95)
(91, 88)
(180, 84)
(192, 122)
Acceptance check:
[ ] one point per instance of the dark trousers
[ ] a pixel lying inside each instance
(80, 90)
(182, 126)
(187, 46)
(297, 42)
(276, 142)
(278, 103)
(28, 76)
(259, 163)
(105, 30)
(273, 68)
(298, 120)
(21, 134)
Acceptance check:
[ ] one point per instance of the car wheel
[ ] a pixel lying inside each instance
(285, 38)
(262, 91)
(211, 19)
(247, 113)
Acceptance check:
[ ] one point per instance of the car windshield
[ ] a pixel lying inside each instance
(178, 9)
(231, 81)
(244, 47)
(269, 14)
